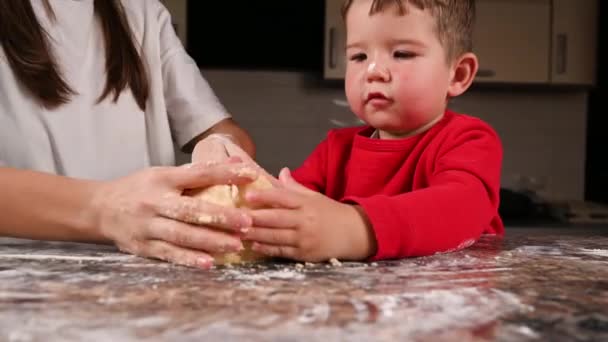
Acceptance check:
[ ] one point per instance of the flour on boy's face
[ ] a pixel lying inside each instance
(397, 75)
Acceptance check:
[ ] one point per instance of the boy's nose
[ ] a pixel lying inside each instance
(377, 72)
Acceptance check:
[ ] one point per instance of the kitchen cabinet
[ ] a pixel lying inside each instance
(517, 41)
(574, 41)
(511, 40)
(335, 41)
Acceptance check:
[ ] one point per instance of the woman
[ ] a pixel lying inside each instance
(94, 95)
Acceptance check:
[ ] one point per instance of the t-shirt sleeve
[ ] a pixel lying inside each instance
(192, 105)
(452, 212)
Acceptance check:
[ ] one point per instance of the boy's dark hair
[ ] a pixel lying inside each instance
(454, 20)
(28, 52)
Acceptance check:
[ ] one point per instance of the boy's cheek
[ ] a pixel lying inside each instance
(353, 94)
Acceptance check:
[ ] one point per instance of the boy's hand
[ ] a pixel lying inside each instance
(307, 226)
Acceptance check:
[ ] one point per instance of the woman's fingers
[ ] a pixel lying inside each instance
(162, 250)
(235, 151)
(200, 212)
(202, 175)
(193, 237)
(209, 150)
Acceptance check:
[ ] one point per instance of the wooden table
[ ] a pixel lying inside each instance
(532, 285)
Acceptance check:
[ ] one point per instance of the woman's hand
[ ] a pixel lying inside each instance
(146, 213)
(305, 225)
(219, 147)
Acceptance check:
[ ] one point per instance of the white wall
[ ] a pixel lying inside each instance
(543, 132)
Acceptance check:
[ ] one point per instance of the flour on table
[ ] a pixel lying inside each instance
(596, 252)
(67, 257)
(240, 274)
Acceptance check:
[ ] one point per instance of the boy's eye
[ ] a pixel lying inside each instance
(358, 57)
(404, 54)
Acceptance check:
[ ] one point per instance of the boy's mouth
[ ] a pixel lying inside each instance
(377, 98)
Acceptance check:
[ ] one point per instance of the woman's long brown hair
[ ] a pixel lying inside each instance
(28, 52)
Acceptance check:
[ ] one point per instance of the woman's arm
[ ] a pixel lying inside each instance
(195, 111)
(42, 206)
(145, 213)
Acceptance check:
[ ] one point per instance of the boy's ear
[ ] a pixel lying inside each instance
(463, 73)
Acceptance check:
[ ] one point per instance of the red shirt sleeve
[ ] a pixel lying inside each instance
(458, 205)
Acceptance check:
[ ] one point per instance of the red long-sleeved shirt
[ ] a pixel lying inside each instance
(433, 192)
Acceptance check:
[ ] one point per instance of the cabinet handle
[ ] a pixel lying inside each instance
(332, 48)
(486, 73)
(561, 62)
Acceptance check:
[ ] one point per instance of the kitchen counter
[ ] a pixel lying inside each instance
(531, 285)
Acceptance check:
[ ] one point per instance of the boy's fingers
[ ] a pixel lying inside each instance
(275, 251)
(273, 198)
(273, 218)
(272, 236)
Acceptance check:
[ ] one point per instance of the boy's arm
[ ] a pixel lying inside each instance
(460, 202)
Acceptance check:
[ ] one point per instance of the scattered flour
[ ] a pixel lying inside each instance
(243, 275)
(335, 262)
(152, 321)
(10, 295)
(318, 313)
(442, 309)
(526, 331)
(596, 252)
(537, 250)
(285, 274)
(360, 309)
(67, 257)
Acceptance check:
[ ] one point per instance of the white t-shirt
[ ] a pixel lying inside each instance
(107, 140)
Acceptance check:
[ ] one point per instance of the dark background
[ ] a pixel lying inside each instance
(596, 180)
(252, 35)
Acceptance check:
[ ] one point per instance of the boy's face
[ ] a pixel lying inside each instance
(397, 74)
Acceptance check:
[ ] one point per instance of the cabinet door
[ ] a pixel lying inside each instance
(575, 25)
(512, 40)
(335, 41)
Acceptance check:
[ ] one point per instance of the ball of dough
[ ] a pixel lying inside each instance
(233, 196)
